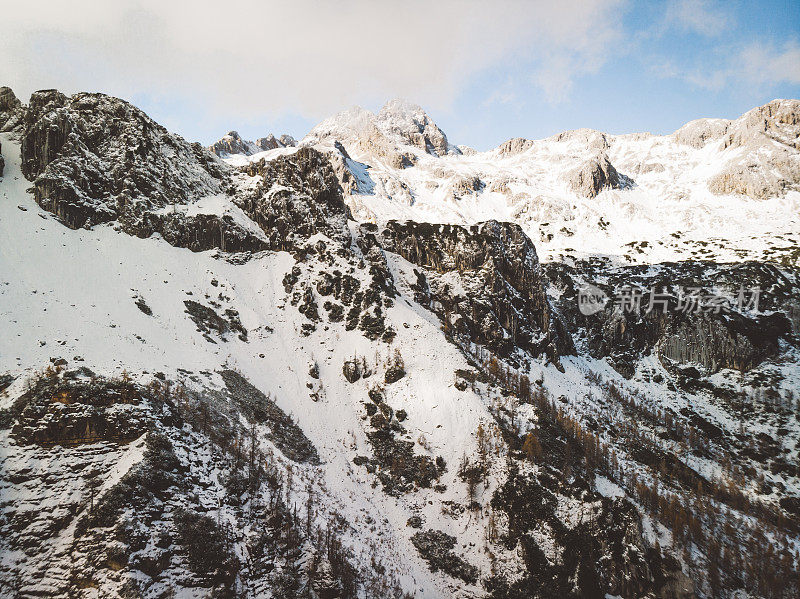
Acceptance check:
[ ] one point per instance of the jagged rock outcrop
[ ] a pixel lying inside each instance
(359, 131)
(759, 176)
(297, 196)
(2, 161)
(713, 341)
(11, 111)
(75, 412)
(352, 175)
(93, 158)
(232, 144)
(466, 185)
(605, 556)
(778, 120)
(397, 135)
(585, 138)
(593, 176)
(733, 342)
(270, 142)
(484, 281)
(515, 145)
(200, 232)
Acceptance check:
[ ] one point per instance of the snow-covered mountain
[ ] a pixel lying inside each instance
(363, 365)
(716, 189)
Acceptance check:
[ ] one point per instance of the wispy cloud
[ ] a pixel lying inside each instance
(770, 64)
(759, 65)
(699, 16)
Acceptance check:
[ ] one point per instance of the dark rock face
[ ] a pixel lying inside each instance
(503, 304)
(713, 340)
(394, 374)
(96, 159)
(396, 464)
(734, 342)
(297, 197)
(351, 371)
(603, 556)
(2, 161)
(208, 322)
(198, 232)
(436, 548)
(268, 143)
(93, 158)
(58, 412)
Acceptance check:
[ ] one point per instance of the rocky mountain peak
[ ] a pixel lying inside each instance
(763, 144)
(594, 175)
(412, 124)
(295, 197)
(778, 120)
(232, 144)
(270, 142)
(398, 134)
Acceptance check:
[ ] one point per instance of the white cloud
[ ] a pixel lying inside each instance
(767, 64)
(701, 16)
(312, 58)
(760, 66)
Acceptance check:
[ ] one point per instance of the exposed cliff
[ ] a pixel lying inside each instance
(484, 281)
(680, 330)
(93, 158)
(294, 197)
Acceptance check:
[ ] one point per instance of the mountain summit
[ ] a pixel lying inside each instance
(397, 135)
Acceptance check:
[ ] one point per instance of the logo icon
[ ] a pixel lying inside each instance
(591, 299)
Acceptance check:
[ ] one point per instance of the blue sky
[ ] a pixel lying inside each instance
(662, 75)
(485, 72)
